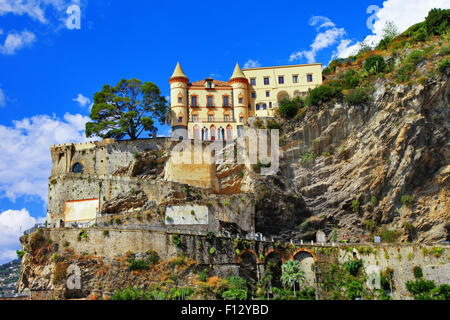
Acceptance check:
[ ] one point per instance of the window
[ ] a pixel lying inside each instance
(267, 94)
(77, 168)
(209, 85)
(229, 133)
(241, 100)
(180, 119)
(213, 133)
(241, 119)
(194, 101)
(266, 81)
(211, 117)
(210, 101)
(281, 80)
(264, 106)
(194, 118)
(257, 107)
(226, 118)
(196, 133)
(270, 105)
(309, 78)
(225, 101)
(249, 106)
(180, 99)
(295, 79)
(253, 95)
(253, 82)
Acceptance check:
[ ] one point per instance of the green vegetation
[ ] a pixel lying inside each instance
(106, 233)
(351, 79)
(422, 289)
(82, 235)
(444, 65)
(323, 94)
(353, 266)
(418, 273)
(289, 108)
(407, 200)
(176, 240)
(156, 293)
(128, 109)
(20, 254)
(355, 206)
(374, 64)
(292, 275)
(356, 97)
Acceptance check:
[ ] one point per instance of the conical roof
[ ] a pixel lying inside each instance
(237, 73)
(178, 73)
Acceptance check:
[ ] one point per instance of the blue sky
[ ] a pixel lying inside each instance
(49, 73)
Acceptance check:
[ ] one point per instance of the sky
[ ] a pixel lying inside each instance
(56, 54)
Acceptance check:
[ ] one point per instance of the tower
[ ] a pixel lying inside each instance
(179, 102)
(240, 95)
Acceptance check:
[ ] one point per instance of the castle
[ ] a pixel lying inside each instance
(216, 110)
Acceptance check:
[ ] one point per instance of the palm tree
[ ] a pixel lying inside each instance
(292, 274)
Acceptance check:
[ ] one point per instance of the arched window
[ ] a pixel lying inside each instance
(229, 133)
(204, 134)
(220, 133)
(241, 118)
(194, 116)
(180, 118)
(77, 168)
(257, 107)
(180, 98)
(213, 133)
(264, 106)
(241, 98)
(210, 116)
(196, 133)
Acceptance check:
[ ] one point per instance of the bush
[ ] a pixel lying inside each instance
(351, 79)
(353, 267)
(271, 125)
(137, 264)
(444, 65)
(444, 51)
(418, 273)
(176, 240)
(20, 254)
(374, 64)
(356, 97)
(407, 200)
(415, 57)
(288, 108)
(153, 257)
(105, 233)
(437, 21)
(390, 236)
(355, 206)
(323, 94)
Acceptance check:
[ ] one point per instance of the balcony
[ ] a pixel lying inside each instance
(205, 120)
(210, 105)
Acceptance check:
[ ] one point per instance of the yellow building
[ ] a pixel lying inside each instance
(217, 110)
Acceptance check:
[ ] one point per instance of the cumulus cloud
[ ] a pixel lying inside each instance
(328, 37)
(252, 64)
(25, 161)
(2, 98)
(82, 100)
(15, 41)
(403, 14)
(12, 225)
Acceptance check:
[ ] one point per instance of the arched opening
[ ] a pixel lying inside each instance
(196, 132)
(272, 267)
(77, 168)
(205, 133)
(213, 133)
(220, 134)
(306, 260)
(282, 96)
(247, 268)
(229, 133)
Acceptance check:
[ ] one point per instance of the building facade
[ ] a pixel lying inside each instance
(216, 110)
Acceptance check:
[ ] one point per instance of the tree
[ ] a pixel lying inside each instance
(126, 109)
(437, 21)
(288, 108)
(292, 274)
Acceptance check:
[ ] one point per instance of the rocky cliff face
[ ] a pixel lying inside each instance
(378, 167)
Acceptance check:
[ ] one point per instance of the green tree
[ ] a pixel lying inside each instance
(292, 274)
(437, 21)
(288, 108)
(126, 109)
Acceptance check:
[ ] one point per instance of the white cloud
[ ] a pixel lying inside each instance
(36, 9)
(12, 225)
(252, 64)
(82, 100)
(324, 39)
(25, 161)
(403, 13)
(15, 41)
(2, 98)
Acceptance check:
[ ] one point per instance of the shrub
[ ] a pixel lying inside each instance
(138, 216)
(444, 65)
(355, 206)
(212, 250)
(118, 221)
(20, 254)
(437, 21)
(415, 57)
(353, 266)
(374, 64)
(203, 276)
(323, 94)
(418, 273)
(374, 200)
(272, 125)
(105, 233)
(444, 51)
(137, 264)
(59, 274)
(176, 239)
(356, 97)
(370, 225)
(351, 79)
(407, 200)
(210, 236)
(137, 155)
(390, 236)
(289, 107)
(153, 257)
(82, 235)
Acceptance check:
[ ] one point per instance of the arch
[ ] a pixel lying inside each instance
(221, 133)
(212, 131)
(211, 113)
(248, 266)
(180, 118)
(307, 259)
(274, 251)
(77, 168)
(241, 117)
(303, 250)
(282, 95)
(249, 251)
(204, 133)
(196, 132)
(297, 93)
(180, 96)
(194, 116)
(229, 132)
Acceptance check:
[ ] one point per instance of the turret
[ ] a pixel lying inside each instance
(178, 98)
(240, 94)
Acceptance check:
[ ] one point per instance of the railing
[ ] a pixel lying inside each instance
(205, 120)
(36, 226)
